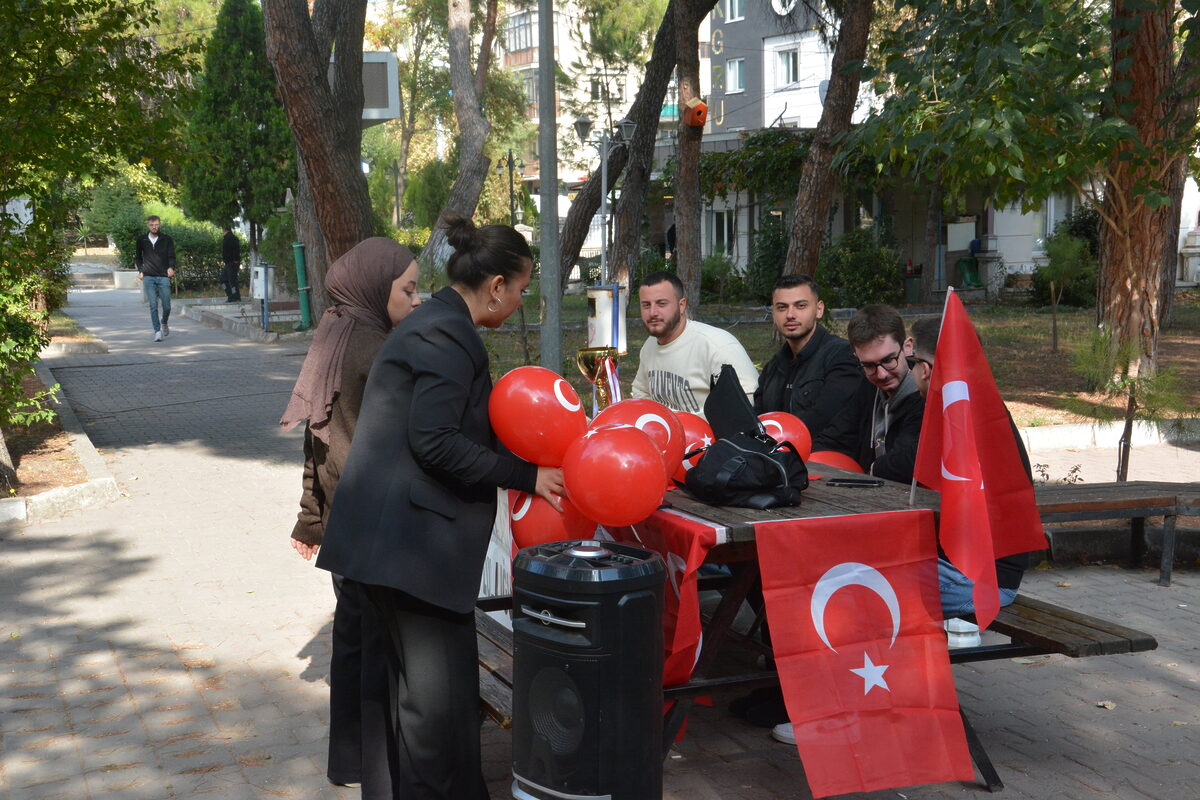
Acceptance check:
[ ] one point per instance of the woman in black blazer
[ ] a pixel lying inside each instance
(414, 509)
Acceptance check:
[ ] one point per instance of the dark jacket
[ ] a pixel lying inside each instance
(814, 385)
(323, 463)
(154, 259)
(850, 433)
(231, 248)
(1010, 569)
(417, 498)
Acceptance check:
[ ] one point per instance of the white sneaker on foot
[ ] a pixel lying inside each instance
(158, 336)
(166, 330)
(784, 733)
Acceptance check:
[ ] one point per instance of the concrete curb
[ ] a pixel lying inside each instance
(75, 348)
(1086, 436)
(99, 489)
(197, 311)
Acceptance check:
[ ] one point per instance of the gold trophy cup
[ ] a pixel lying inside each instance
(590, 361)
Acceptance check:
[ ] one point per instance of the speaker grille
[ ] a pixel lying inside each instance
(557, 710)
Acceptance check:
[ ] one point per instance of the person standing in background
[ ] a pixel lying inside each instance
(154, 258)
(231, 254)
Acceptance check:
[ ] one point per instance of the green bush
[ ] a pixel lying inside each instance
(719, 280)
(414, 239)
(766, 259)
(428, 190)
(1073, 251)
(859, 269)
(197, 244)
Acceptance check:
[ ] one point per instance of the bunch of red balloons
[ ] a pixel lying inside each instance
(615, 469)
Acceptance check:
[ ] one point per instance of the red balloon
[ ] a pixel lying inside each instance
(534, 521)
(697, 433)
(832, 458)
(614, 474)
(536, 414)
(655, 420)
(784, 427)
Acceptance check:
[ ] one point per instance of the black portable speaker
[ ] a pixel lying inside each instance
(587, 672)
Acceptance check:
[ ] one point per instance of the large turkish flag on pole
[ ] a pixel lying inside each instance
(862, 659)
(968, 454)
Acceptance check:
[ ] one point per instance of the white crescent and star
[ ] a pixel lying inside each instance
(771, 424)
(562, 399)
(652, 419)
(954, 392)
(853, 573)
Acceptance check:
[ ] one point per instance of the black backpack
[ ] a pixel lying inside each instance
(745, 466)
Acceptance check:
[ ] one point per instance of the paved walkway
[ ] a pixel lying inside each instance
(173, 645)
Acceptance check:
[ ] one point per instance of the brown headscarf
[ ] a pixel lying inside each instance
(359, 284)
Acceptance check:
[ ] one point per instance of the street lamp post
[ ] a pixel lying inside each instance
(624, 133)
(512, 164)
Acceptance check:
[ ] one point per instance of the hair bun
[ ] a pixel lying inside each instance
(461, 232)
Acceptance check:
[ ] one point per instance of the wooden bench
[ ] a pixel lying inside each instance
(1034, 627)
(1131, 500)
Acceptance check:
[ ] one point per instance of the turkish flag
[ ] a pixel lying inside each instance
(683, 541)
(967, 453)
(855, 622)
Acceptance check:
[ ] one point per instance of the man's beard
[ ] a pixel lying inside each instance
(670, 325)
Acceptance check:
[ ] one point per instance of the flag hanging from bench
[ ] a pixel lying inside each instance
(855, 623)
(968, 454)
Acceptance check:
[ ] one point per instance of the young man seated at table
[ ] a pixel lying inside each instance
(814, 372)
(880, 423)
(679, 360)
(956, 588)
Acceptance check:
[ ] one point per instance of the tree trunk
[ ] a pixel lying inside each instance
(933, 237)
(473, 163)
(8, 470)
(814, 195)
(645, 111)
(688, 202)
(1183, 105)
(638, 157)
(1053, 318)
(308, 231)
(326, 120)
(1134, 236)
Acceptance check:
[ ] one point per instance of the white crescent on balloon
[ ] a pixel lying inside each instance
(646, 419)
(773, 425)
(852, 573)
(563, 401)
(523, 507)
(953, 392)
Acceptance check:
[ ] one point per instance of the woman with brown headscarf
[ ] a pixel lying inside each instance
(373, 287)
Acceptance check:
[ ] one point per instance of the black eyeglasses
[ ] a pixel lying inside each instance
(889, 363)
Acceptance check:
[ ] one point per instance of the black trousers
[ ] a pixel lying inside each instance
(433, 678)
(359, 704)
(229, 279)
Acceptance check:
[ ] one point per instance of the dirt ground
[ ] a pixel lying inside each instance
(42, 453)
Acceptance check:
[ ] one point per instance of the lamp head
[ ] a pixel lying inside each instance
(583, 128)
(627, 127)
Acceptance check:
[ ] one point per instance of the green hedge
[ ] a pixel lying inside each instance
(197, 244)
(859, 269)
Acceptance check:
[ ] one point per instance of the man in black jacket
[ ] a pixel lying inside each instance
(881, 423)
(154, 258)
(231, 254)
(814, 373)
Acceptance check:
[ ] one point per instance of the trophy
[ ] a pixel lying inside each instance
(597, 365)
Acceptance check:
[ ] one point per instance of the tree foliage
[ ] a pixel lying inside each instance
(240, 151)
(766, 165)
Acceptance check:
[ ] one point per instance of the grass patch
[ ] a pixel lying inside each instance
(66, 329)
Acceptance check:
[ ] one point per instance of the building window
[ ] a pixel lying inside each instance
(733, 10)
(787, 68)
(521, 32)
(722, 231)
(531, 87)
(735, 75)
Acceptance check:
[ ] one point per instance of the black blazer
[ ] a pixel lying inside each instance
(416, 501)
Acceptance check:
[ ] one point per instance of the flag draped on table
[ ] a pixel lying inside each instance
(968, 454)
(683, 541)
(855, 622)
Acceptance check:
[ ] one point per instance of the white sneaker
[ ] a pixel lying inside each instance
(783, 733)
(960, 633)
(166, 330)
(158, 336)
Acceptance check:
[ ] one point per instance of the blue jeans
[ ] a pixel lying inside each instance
(957, 589)
(157, 290)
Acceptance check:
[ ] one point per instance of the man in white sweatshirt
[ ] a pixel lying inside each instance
(682, 356)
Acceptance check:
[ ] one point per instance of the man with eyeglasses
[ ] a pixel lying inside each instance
(881, 423)
(957, 590)
(814, 373)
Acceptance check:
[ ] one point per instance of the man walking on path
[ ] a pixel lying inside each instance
(231, 254)
(154, 258)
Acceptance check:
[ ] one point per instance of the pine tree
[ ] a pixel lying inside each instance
(240, 152)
